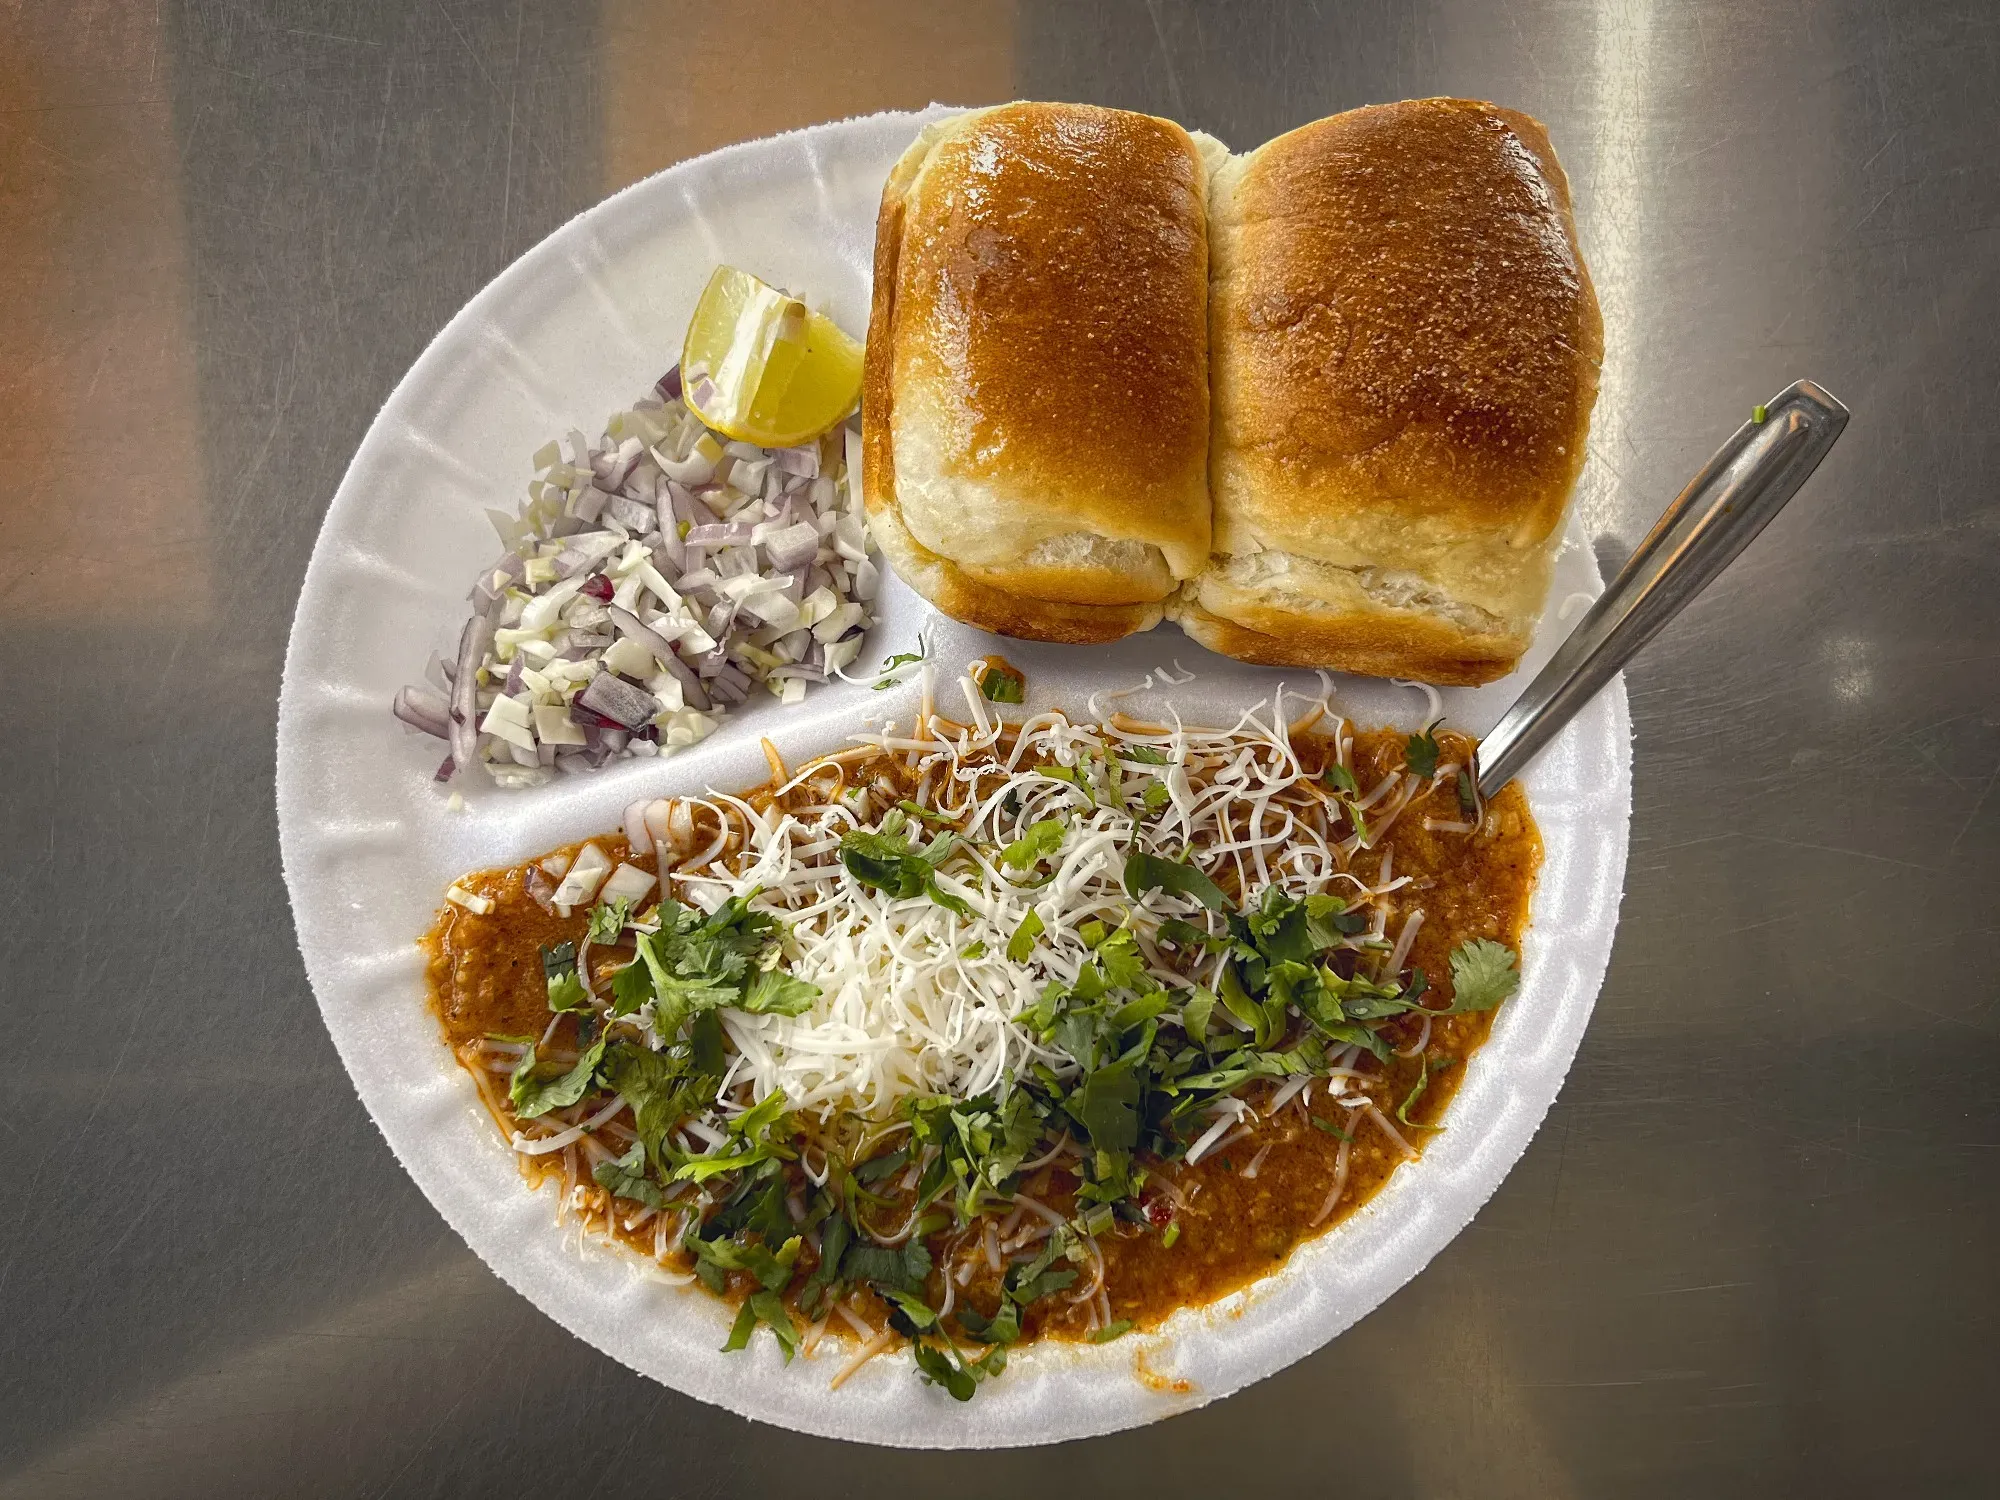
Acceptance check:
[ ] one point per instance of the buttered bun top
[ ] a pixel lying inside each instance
(1036, 399)
(1322, 404)
(1405, 351)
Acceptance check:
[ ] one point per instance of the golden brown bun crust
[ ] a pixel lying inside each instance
(1426, 650)
(1401, 322)
(1035, 396)
(1003, 613)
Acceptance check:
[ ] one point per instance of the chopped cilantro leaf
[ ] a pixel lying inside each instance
(1000, 685)
(974, 949)
(1107, 1106)
(1146, 755)
(625, 1177)
(1483, 973)
(890, 672)
(768, 1308)
(1022, 943)
(607, 920)
(535, 1091)
(939, 1368)
(1420, 753)
(1468, 798)
(1149, 872)
(566, 991)
(1340, 779)
(1112, 1331)
(774, 993)
(1040, 841)
(888, 862)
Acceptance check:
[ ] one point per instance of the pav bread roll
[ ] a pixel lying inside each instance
(1035, 402)
(1404, 354)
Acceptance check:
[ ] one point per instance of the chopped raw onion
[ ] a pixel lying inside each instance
(648, 579)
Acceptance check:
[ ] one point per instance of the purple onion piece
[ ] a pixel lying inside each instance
(685, 505)
(792, 547)
(472, 644)
(447, 770)
(733, 535)
(630, 624)
(695, 695)
(513, 684)
(669, 385)
(630, 514)
(802, 460)
(541, 889)
(620, 468)
(810, 674)
(617, 699)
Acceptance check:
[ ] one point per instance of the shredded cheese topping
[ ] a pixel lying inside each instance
(918, 998)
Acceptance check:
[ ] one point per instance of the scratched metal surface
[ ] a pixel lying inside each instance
(1752, 1250)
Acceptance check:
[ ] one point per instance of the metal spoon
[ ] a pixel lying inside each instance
(1701, 533)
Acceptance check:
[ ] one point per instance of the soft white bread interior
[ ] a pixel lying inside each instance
(1035, 405)
(1404, 354)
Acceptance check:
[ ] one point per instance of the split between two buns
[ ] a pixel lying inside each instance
(1322, 404)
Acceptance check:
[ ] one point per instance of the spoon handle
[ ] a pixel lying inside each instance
(1716, 516)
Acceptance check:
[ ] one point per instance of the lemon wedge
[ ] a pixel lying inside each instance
(760, 367)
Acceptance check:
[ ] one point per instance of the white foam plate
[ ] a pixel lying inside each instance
(575, 329)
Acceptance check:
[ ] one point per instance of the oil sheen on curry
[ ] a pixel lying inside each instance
(989, 1030)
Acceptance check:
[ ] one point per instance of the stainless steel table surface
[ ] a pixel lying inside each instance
(1752, 1251)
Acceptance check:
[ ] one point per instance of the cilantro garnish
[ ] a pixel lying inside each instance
(566, 991)
(607, 920)
(768, 1308)
(1000, 685)
(1022, 943)
(1148, 872)
(1468, 798)
(1421, 751)
(1341, 780)
(888, 862)
(534, 1090)
(890, 672)
(1040, 841)
(1483, 973)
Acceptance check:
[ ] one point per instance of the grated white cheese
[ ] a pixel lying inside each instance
(916, 998)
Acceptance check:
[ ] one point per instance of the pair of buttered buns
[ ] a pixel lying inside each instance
(1322, 404)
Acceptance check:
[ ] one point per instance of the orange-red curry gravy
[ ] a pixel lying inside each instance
(486, 980)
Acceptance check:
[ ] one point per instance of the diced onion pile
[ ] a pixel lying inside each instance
(651, 582)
